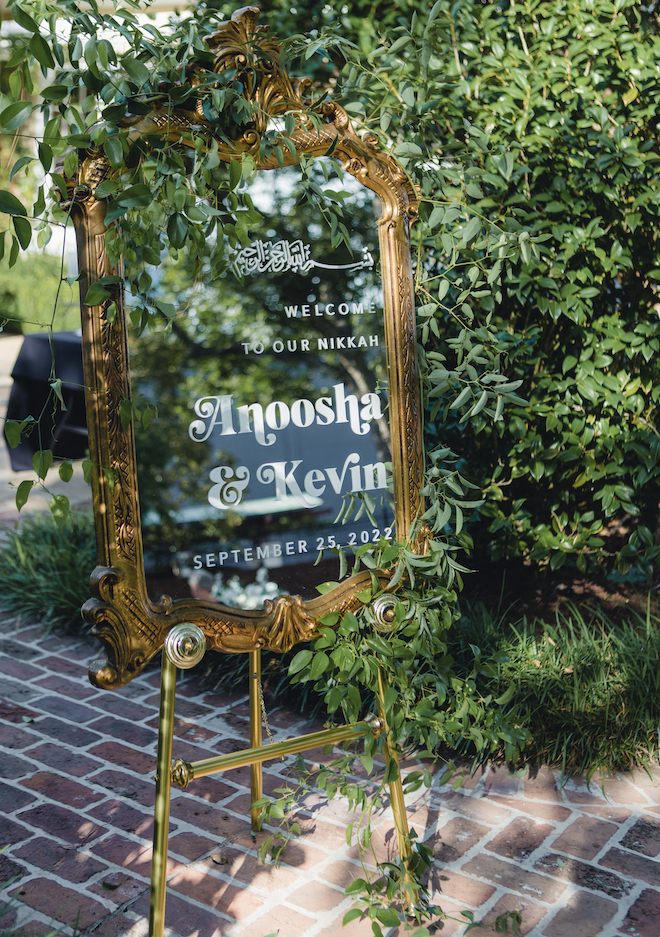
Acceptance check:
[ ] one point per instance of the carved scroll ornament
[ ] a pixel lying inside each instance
(130, 626)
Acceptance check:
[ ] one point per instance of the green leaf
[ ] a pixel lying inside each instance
(23, 492)
(177, 230)
(42, 461)
(59, 508)
(114, 150)
(40, 50)
(24, 19)
(18, 165)
(135, 196)
(15, 115)
(10, 205)
(319, 664)
(66, 470)
(96, 294)
(88, 470)
(125, 413)
(388, 916)
(135, 69)
(300, 661)
(23, 230)
(56, 387)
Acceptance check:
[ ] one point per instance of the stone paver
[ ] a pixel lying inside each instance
(77, 765)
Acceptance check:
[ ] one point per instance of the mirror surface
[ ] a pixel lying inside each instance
(270, 387)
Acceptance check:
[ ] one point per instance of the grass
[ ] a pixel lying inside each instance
(587, 690)
(45, 569)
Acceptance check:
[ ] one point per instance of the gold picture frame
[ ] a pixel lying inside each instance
(131, 627)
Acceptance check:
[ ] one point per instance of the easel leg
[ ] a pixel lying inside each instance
(256, 772)
(162, 806)
(398, 802)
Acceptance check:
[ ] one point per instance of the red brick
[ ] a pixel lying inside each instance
(126, 785)
(138, 761)
(541, 784)
(207, 817)
(64, 687)
(13, 798)
(210, 789)
(470, 891)
(455, 838)
(66, 709)
(69, 864)
(500, 781)
(190, 845)
(520, 838)
(130, 855)
(643, 918)
(286, 923)
(472, 807)
(237, 903)
(120, 815)
(11, 832)
(67, 667)
(619, 791)
(341, 873)
(585, 837)
(583, 915)
(20, 670)
(63, 760)
(18, 650)
(118, 887)
(63, 904)
(530, 912)
(512, 877)
(188, 752)
(63, 789)
(62, 823)
(615, 814)
(578, 791)
(13, 737)
(535, 808)
(67, 733)
(126, 709)
(183, 919)
(644, 836)
(13, 767)
(10, 871)
(316, 897)
(301, 855)
(247, 868)
(140, 736)
(227, 746)
(626, 863)
(584, 875)
(12, 712)
(119, 925)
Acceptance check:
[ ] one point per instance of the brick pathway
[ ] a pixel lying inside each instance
(77, 800)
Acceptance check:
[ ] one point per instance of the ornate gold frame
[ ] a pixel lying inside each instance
(130, 626)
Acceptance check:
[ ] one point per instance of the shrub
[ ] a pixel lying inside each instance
(45, 568)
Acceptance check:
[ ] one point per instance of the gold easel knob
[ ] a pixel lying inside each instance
(383, 609)
(185, 645)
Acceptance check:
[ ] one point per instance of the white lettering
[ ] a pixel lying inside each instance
(290, 548)
(274, 421)
(197, 561)
(221, 558)
(302, 546)
(377, 470)
(311, 483)
(336, 480)
(217, 410)
(302, 413)
(291, 311)
(343, 309)
(284, 481)
(341, 400)
(357, 309)
(373, 341)
(263, 553)
(254, 410)
(278, 346)
(210, 560)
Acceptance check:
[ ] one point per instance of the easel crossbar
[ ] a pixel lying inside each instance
(184, 772)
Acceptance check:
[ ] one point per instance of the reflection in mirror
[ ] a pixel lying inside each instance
(268, 446)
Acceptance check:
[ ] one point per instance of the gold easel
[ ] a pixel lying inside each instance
(131, 626)
(185, 647)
